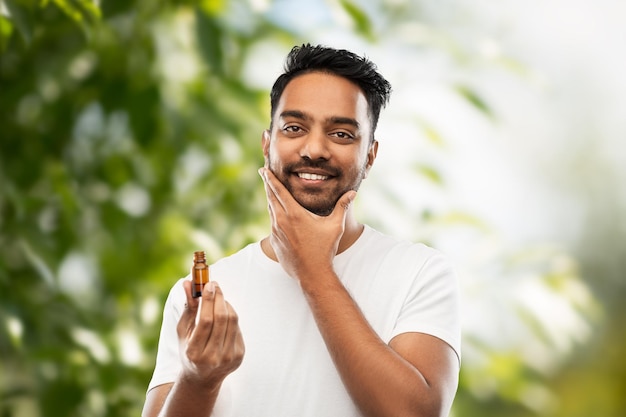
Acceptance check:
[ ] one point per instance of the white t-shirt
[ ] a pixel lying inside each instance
(286, 371)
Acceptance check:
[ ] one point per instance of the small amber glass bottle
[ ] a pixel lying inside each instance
(199, 273)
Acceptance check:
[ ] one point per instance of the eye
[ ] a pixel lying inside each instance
(293, 130)
(343, 135)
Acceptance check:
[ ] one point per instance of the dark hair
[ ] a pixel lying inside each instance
(360, 70)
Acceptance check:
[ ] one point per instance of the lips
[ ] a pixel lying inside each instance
(312, 176)
(312, 170)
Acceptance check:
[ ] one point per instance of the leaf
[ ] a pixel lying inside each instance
(210, 41)
(80, 11)
(460, 218)
(431, 133)
(360, 18)
(430, 173)
(474, 99)
(213, 7)
(6, 30)
(22, 20)
(89, 9)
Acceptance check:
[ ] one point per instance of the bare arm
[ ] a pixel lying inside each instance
(415, 375)
(211, 348)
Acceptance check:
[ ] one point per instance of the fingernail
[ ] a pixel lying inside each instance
(261, 172)
(210, 287)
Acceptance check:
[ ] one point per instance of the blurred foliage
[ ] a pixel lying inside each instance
(128, 138)
(116, 150)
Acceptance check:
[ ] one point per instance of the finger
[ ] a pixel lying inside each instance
(342, 206)
(233, 323)
(220, 322)
(204, 317)
(268, 191)
(269, 194)
(270, 210)
(187, 320)
(274, 206)
(276, 191)
(234, 341)
(191, 302)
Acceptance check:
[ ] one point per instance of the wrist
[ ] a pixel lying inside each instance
(319, 280)
(200, 384)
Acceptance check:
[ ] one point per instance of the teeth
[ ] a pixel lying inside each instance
(307, 176)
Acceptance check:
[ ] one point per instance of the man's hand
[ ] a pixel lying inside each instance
(211, 347)
(303, 242)
(211, 343)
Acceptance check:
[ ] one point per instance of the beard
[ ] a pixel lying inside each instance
(319, 200)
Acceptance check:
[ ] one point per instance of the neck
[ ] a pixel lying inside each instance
(352, 231)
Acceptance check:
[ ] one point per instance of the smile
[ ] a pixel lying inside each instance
(308, 176)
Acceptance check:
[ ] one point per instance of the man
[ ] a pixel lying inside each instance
(338, 319)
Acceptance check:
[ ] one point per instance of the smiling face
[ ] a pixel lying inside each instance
(319, 146)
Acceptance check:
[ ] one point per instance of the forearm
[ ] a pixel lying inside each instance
(379, 380)
(189, 399)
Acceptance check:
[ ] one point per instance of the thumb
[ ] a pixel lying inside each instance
(342, 206)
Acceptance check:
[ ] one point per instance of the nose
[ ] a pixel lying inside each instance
(315, 146)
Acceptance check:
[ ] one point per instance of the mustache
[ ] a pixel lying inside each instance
(316, 164)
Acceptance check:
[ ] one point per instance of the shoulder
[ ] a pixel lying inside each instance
(400, 249)
(236, 262)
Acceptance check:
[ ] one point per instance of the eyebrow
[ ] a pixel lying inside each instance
(336, 120)
(296, 114)
(344, 121)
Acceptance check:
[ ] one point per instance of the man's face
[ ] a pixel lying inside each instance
(319, 146)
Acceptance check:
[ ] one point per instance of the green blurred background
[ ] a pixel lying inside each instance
(130, 137)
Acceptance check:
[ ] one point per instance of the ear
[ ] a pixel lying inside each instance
(371, 157)
(265, 143)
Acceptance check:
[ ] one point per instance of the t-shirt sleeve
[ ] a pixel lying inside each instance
(432, 303)
(168, 358)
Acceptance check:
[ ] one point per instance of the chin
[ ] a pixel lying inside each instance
(321, 210)
(324, 212)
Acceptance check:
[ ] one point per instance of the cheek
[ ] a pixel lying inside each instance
(354, 169)
(275, 150)
(281, 153)
(273, 160)
(363, 161)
